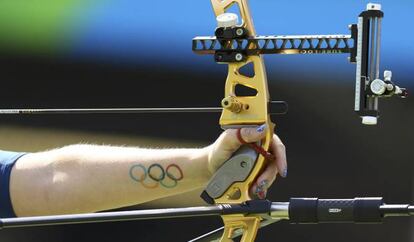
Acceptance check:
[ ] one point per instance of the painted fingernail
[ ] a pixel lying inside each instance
(262, 194)
(261, 128)
(264, 184)
(284, 173)
(261, 189)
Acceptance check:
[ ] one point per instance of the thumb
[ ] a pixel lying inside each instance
(248, 135)
(251, 135)
(228, 143)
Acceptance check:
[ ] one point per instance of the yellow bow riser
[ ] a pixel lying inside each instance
(240, 111)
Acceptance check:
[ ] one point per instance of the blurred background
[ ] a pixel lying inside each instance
(72, 53)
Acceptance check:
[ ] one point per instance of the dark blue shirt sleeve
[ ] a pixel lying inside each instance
(7, 160)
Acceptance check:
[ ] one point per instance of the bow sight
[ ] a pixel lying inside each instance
(231, 44)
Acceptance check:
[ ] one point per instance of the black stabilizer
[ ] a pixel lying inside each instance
(303, 210)
(366, 210)
(314, 210)
(249, 207)
(259, 206)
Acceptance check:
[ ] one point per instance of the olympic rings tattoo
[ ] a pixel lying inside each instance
(175, 182)
(149, 186)
(161, 177)
(144, 175)
(171, 176)
(173, 173)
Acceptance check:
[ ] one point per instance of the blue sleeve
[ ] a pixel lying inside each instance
(7, 160)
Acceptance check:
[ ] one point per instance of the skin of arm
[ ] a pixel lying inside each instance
(88, 178)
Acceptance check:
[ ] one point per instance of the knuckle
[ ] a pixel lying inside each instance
(281, 146)
(247, 134)
(229, 136)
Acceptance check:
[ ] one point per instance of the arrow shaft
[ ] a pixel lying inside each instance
(111, 110)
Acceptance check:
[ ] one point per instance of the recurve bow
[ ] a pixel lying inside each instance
(247, 103)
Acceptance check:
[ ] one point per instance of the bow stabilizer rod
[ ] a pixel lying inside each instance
(313, 211)
(297, 210)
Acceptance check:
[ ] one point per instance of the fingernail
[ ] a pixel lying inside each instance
(284, 173)
(264, 183)
(261, 189)
(262, 194)
(261, 128)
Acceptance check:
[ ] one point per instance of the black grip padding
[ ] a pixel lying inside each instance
(336, 210)
(367, 210)
(303, 210)
(314, 210)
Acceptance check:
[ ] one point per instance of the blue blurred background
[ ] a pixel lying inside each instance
(132, 32)
(115, 28)
(73, 53)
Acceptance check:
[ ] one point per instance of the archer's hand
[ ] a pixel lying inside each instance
(228, 143)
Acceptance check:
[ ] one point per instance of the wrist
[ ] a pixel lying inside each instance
(202, 158)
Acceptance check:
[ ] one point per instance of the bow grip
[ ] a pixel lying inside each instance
(235, 169)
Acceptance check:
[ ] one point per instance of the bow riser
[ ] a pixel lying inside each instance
(241, 111)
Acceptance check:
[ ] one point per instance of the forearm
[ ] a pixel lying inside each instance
(88, 178)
